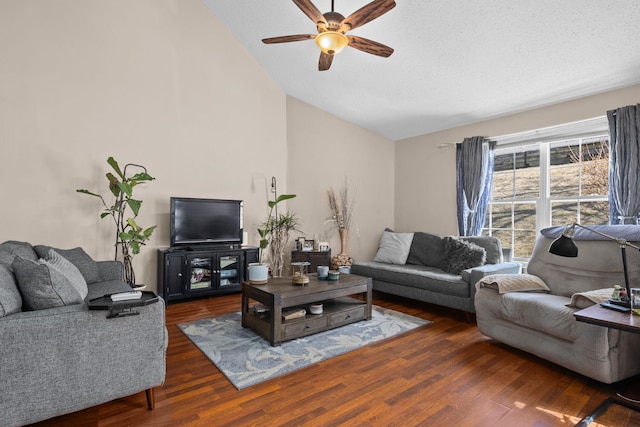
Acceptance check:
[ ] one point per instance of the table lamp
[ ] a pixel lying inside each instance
(566, 246)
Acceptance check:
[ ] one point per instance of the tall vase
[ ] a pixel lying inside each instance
(342, 259)
(343, 241)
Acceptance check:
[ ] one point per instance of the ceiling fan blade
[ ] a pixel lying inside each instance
(366, 14)
(287, 39)
(325, 61)
(369, 46)
(311, 11)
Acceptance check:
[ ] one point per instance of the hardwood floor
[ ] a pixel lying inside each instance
(442, 374)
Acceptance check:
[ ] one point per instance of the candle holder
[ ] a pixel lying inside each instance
(300, 272)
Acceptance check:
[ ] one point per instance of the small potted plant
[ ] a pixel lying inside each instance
(269, 230)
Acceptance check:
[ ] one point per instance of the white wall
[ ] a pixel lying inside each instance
(155, 82)
(324, 150)
(425, 179)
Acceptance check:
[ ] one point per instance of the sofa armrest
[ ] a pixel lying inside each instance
(110, 270)
(64, 359)
(472, 275)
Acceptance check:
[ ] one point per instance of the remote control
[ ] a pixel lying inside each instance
(615, 307)
(126, 296)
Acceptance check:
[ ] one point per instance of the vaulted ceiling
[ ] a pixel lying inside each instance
(455, 62)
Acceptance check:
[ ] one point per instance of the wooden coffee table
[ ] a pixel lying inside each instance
(263, 305)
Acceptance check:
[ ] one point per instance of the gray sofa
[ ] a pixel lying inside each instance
(56, 356)
(542, 321)
(425, 267)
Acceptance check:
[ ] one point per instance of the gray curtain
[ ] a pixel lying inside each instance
(624, 170)
(474, 175)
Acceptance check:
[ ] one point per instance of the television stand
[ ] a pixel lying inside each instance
(192, 272)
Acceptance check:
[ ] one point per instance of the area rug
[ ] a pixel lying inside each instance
(247, 359)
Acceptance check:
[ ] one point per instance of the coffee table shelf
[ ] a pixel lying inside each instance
(340, 308)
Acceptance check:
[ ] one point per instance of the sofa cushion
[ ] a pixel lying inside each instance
(490, 244)
(394, 247)
(546, 313)
(461, 255)
(43, 286)
(68, 270)
(11, 249)
(78, 257)
(10, 299)
(426, 249)
(414, 276)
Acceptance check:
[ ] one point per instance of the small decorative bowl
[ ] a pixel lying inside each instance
(315, 309)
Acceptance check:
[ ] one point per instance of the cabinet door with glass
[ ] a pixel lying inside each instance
(201, 271)
(211, 272)
(230, 269)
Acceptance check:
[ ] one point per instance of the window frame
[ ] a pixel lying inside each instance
(544, 139)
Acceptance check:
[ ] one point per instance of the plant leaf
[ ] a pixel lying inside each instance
(134, 205)
(126, 188)
(142, 176)
(83, 191)
(115, 167)
(114, 185)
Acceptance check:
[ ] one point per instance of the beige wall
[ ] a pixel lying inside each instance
(425, 173)
(324, 150)
(155, 82)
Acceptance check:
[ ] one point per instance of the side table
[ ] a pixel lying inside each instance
(122, 308)
(597, 315)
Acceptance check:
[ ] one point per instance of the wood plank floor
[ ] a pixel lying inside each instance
(442, 374)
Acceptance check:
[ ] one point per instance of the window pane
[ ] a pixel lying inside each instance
(594, 213)
(563, 213)
(525, 241)
(527, 175)
(564, 172)
(517, 175)
(501, 216)
(504, 236)
(524, 216)
(595, 167)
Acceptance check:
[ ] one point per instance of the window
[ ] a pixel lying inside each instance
(539, 184)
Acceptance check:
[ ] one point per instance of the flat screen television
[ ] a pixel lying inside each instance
(205, 221)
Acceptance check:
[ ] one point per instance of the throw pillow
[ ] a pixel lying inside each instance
(394, 247)
(42, 286)
(426, 249)
(460, 255)
(68, 270)
(78, 257)
(490, 244)
(10, 299)
(505, 283)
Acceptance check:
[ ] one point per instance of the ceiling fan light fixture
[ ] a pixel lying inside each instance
(331, 42)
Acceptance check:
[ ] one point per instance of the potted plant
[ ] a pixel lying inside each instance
(273, 230)
(129, 235)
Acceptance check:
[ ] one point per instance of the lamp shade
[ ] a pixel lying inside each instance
(564, 246)
(331, 42)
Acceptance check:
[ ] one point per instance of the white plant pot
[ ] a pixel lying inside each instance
(258, 273)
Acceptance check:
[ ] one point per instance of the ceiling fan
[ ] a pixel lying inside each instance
(332, 26)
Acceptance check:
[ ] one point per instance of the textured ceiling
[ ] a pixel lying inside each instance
(455, 62)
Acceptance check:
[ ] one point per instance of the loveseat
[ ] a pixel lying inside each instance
(534, 312)
(432, 268)
(56, 356)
